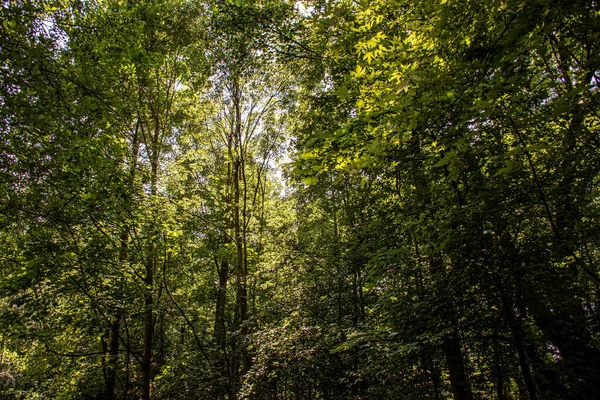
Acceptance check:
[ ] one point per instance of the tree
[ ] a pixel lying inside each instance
(452, 105)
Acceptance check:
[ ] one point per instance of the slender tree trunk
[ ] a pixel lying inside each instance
(499, 371)
(150, 266)
(220, 332)
(114, 344)
(516, 329)
(523, 364)
(127, 363)
(111, 374)
(239, 222)
(518, 336)
(148, 328)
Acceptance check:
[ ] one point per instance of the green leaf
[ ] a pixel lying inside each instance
(310, 180)
(447, 159)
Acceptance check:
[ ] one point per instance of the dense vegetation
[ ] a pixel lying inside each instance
(271, 199)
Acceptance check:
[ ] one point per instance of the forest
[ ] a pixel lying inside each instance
(297, 200)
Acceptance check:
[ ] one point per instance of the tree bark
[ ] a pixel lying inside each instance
(456, 367)
(111, 375)
(220, 332)
(153, 153)
(148, 330)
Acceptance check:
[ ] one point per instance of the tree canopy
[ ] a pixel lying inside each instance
(329, 199)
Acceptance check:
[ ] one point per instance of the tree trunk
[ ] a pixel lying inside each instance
(150, 265)
(220, 332)
(148, 331)
(516, 330)
(111, 375)
(518, 339)
(239, 222)
(456, 367)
